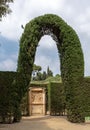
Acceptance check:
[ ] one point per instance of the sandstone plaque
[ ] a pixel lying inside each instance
(36, 101)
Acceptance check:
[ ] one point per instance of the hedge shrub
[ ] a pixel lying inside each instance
(69, 50)
(56, 97)
(85, 96)
(6, 92)
(11, 93)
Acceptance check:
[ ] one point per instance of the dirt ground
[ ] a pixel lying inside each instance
(45, 123)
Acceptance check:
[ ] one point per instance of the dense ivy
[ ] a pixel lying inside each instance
(69, 50)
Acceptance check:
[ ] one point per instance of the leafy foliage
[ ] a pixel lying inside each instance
(70, 53)
(37, 75)
(49, 72)
(4, 7)
(6, 93)
(57, 98)
(11, 93)
(85, 96)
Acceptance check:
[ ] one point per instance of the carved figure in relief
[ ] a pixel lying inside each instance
(36, 97)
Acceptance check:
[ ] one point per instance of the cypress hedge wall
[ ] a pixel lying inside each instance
(71, 59)
(6, 94)
(85, 96)
(69, 51)
(56, 98)
(11, 93)
(81, 100)
(12, 90)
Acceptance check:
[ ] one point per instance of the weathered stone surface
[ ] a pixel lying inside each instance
(36, 101)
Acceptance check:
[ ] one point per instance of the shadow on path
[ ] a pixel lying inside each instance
(28, 124)
(45, 123)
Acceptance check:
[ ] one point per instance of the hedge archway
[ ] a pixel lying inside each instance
(70, 53)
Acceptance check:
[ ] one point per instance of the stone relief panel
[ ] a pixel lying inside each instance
(37, 97)
(37, 101)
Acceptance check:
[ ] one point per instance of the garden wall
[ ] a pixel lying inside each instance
(56, 98)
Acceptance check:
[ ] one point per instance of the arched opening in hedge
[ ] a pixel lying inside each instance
(47, 54)
(69, 51)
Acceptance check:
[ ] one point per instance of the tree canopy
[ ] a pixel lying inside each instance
(38, 75)
(4, 8)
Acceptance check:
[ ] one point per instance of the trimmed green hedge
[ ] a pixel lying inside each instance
(85, 96)
(69, 50)
(11, 93)
(56, 98)
(12, 90)
(81, 100)
(6, 94)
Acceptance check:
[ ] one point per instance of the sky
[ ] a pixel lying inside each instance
(75, 12)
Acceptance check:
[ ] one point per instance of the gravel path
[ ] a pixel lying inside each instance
(45, 123)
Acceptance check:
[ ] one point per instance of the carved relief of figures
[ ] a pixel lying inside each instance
(37, 97)
(37, 101)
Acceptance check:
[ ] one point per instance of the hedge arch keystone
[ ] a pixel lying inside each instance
(70, 53)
